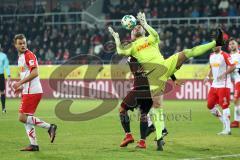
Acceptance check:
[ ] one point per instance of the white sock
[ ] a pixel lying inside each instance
(30, 130)
(226, 119)
(237, 113)
(216, 112)
(37, 122)
(149, 120)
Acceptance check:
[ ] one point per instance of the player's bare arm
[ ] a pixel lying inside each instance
(228, 71)
(178, 82)
(209, 76)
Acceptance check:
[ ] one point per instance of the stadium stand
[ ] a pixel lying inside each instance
(172, 8)
(55, 44)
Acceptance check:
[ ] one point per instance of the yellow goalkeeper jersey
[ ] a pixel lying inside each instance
(144, 49)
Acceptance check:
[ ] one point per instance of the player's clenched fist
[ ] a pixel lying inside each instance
(16, 85)
(17, 88)
(18, 91)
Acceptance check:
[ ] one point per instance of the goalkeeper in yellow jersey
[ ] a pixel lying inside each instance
(157, 69)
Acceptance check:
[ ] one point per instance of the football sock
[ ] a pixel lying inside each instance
(143, 125)
(216, 112)
(237, 113)
(149, 120)
(226, 119)
(30, 130)
(150, 123)
(125, 121)
(199, 50)
(3, 99)
(158, 121)
(37, 122)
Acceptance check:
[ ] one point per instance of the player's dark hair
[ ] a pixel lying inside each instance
(231, 39)
(18, 36)
(138, 32)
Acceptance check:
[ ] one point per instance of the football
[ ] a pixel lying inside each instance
(129, 22)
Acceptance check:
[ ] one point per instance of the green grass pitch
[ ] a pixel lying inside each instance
(190, 136)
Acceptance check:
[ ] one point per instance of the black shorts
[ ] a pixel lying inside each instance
(139, 96)
(2, 82)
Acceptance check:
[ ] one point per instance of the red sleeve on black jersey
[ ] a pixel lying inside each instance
(135, 67)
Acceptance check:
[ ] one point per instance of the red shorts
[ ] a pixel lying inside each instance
(29, 103)
(219, 96)
(237, 90)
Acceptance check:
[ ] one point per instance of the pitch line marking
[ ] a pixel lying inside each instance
(214, 157)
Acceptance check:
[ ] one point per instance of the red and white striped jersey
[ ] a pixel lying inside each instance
(26, 62)
(236, 60)
(219, 63)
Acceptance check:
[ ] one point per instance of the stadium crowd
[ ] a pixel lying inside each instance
(172, 8)
(34, 7)
(56, 44)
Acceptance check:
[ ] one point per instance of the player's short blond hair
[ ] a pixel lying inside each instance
(18, 36)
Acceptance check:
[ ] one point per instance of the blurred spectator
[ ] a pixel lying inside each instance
(170, 8)
(59, 55)
(58, 43)
(207, 12)
(155, 12)
(224, 13)
(66, 55)
(195, 12)
(49, 56)
(40, 55)
(223, 4)
(232, 10)
(84, 47)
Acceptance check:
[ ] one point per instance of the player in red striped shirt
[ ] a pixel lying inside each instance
(235, 54)
(31, 89)
(219, 94)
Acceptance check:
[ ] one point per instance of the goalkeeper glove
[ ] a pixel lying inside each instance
(142, 19)
(115, 35)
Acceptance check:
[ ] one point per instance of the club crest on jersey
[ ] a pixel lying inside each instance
(31, 62)
(230, 60)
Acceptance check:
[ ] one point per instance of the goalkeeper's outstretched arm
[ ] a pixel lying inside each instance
(124, 50)
(152, 32)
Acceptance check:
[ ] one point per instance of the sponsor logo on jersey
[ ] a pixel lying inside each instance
(230, 60)
(21, 68)
(143, 46)
(215, 64)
